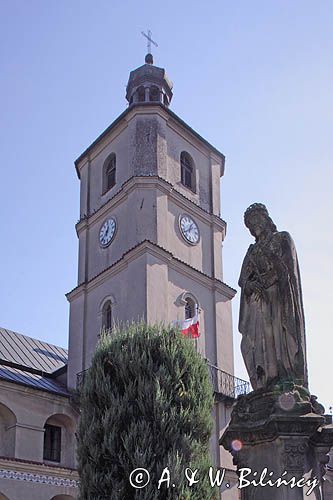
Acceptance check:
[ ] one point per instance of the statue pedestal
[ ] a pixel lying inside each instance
(277, 438)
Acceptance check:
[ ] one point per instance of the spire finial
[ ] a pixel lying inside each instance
(149, 57)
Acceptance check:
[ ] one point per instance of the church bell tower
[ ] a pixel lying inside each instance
(150, 230)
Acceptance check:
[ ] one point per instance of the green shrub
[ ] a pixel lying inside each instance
(146, 402)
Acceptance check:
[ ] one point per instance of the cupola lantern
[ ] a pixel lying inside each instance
(148, 83)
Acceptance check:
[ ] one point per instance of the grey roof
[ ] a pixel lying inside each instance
(34, 380)
(23, 351)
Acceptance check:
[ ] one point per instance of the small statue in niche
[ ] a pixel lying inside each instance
(271, 318)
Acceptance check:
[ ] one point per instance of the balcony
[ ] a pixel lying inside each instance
(225, 385)
(80, 380)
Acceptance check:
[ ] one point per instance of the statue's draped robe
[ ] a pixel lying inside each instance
(273, 343)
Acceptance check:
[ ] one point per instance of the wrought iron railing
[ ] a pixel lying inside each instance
(226, 385)
(80, 379)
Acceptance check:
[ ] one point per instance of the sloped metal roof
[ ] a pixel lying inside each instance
(31, 353)
(34, 380)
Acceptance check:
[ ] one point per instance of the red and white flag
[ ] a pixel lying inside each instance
(188, 327)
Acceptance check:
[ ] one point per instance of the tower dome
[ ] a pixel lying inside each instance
(148, 83)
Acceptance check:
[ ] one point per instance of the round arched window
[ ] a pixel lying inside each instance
(107, 316)
(141, 94)
(154, 94)
(109, 172)
(190, 308)
(187, 171)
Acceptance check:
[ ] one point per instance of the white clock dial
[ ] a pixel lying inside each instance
(189, 229)
(107, 232)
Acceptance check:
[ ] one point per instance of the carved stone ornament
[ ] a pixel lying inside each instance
(294, 456)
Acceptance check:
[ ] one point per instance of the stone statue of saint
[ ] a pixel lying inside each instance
(271, 318)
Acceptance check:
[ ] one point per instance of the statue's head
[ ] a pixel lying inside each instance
(257, 220)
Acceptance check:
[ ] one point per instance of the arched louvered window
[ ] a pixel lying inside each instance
(154, 94)
(107, 316)
(109, 172)
(190, 308)
(187, 171)
(141, 94)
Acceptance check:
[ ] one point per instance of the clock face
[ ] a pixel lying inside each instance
(189, 229)
(107, 232)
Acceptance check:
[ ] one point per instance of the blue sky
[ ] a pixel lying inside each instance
(253, 78)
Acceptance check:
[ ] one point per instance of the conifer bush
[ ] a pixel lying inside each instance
(146, 402)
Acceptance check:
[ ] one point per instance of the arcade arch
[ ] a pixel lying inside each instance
(61, 497)
(59, 440)
(7, 432)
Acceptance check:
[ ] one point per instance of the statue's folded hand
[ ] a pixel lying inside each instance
(255, 289)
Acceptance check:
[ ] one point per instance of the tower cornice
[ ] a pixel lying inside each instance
(148, 182)
(142, 248)
(173, 120)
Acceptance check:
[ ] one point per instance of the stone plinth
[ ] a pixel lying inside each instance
(275, 436)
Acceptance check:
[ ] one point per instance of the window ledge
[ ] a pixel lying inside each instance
(187, 188)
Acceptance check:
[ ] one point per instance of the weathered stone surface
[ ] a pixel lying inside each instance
(145, 147)
(271, 317)
(278, 435)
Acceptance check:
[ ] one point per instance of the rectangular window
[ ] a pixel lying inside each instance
(52, 443)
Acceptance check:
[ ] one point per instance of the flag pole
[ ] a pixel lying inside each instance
(197, 313)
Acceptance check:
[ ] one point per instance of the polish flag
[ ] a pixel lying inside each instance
(189, 327)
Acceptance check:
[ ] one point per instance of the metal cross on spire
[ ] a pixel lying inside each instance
(149, 40)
